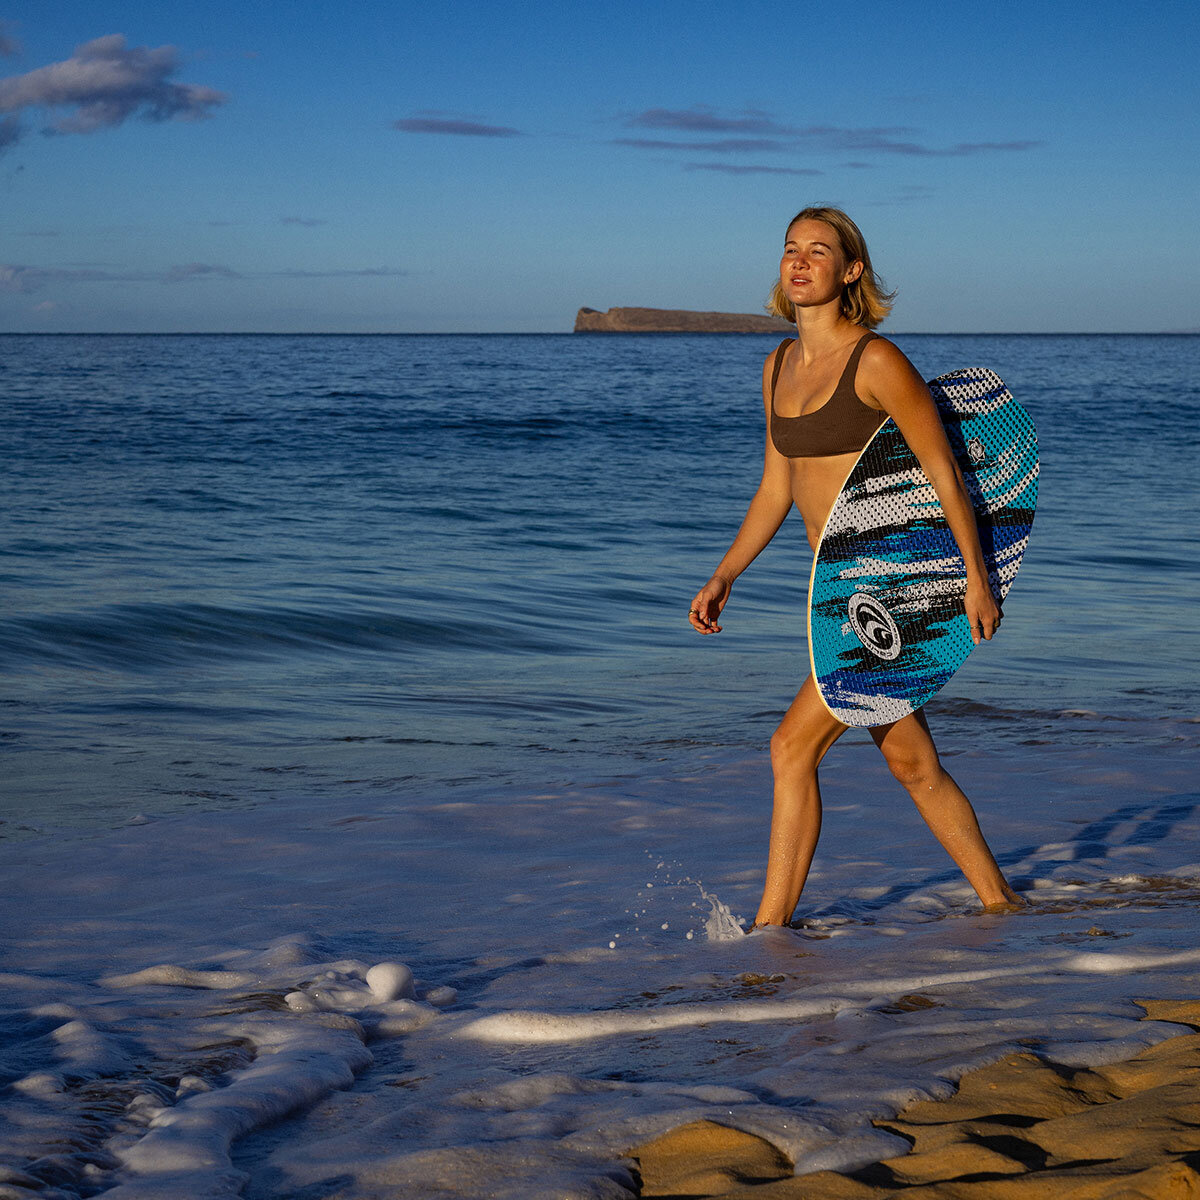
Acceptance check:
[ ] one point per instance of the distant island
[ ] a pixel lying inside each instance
(674, 320)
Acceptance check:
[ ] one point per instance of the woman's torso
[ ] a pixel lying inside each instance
(819, 423)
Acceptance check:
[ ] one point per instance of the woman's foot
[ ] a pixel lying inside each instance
(1010, 902)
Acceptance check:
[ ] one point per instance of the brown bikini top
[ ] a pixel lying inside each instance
(841, 425)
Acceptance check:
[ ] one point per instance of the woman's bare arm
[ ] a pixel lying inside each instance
(890, 381)
(767, 510)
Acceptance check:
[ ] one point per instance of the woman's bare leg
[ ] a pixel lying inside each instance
(913, 759)
(797, 747)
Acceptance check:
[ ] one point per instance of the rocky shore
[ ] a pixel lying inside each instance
(1020, 1129)
(674, 320)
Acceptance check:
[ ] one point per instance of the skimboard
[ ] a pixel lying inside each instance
(886, 626)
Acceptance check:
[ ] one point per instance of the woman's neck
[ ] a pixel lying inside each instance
(822, 329)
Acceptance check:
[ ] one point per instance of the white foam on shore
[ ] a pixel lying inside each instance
(173, 990)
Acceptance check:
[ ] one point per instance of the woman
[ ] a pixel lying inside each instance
(825, 393)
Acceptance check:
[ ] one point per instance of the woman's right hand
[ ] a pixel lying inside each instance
(707, 605)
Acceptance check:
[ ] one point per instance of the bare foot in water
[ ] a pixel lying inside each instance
(1011, 903)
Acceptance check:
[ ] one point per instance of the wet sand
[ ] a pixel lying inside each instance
(1018, 1129)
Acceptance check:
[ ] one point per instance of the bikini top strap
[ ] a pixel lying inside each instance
(851, 369)
(779, 353)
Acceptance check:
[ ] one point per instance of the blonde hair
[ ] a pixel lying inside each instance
(864, 301)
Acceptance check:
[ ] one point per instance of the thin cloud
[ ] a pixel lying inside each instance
(9, 46)
(885, 145)
(43, 233)
(743, 169)
(987, 147)
(188, 271)
(721, 146)
(309, 222)
(830, 139)
(370, 272)
(104, 83)
(17, 278)
(887, 140)
(838, 133)
(432, 122)
(702, 119)
(10, 132)
(906, 195)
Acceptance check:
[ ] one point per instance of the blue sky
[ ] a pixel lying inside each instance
(419, 167)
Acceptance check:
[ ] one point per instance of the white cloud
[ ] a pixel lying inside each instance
(103, 84)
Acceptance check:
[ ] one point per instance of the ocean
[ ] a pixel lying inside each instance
(331, 652)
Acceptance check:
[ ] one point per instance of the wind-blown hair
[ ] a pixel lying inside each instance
(865, 302)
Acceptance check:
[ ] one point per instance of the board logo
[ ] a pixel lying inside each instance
(873, 626)
(975, 450)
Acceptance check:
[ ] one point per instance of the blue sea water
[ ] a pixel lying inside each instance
(242, 567)
(327, 659)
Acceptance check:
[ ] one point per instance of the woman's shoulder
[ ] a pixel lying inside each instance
(885, 371)
(882, 354)
(877, 342)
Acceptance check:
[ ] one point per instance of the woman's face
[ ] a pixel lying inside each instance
(813, 269)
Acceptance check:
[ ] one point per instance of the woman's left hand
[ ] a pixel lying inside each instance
(982, 610)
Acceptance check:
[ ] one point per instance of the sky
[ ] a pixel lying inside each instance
(492, 167)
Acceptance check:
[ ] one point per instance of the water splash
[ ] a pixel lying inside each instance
(721, 925)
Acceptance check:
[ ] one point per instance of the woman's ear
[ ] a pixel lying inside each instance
(853, 271)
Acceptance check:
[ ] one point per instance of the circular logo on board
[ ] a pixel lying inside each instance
(873, 626)
(976, 451)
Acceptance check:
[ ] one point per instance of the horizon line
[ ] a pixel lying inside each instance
(569, 333)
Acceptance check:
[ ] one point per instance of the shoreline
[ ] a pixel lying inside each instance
(596, 940)
(1022, 1128)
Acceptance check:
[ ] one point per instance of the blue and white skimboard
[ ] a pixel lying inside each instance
(886, 625)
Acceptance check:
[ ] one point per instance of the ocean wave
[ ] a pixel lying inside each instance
(132, 637)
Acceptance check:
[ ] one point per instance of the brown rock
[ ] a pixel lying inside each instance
(1145, 1128)
(928, 1138)
(1020, 1085)
(952, 1162)
(1038, 1185)
(674, 320)
(1182, 1012)
(820, 1185)
(1173, 1061)
(1020, 1129)
(1167, 1181)
(706, 1159)
(1165, 1063)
